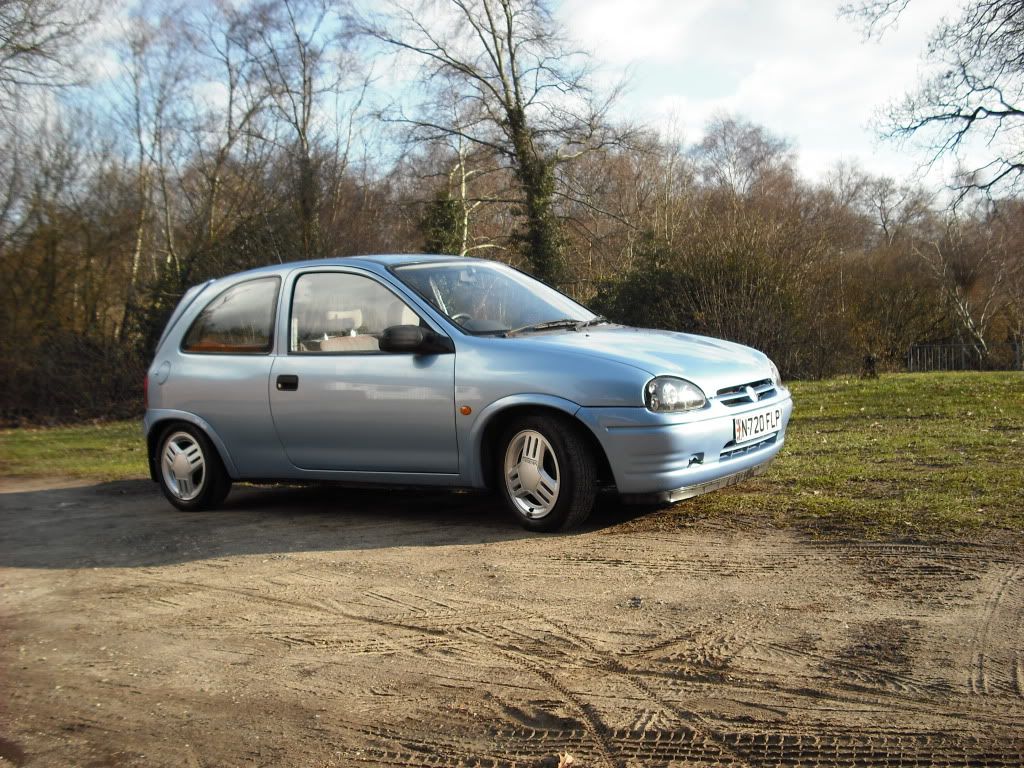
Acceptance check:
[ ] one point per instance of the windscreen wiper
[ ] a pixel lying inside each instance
(564, 322)
(595, 320)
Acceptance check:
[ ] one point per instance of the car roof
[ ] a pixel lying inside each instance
(396, 259)
(370, 260)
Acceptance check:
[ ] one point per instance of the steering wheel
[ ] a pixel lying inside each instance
(461, 316)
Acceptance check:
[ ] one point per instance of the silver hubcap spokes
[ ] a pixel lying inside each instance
(531, 474)
(184, 466)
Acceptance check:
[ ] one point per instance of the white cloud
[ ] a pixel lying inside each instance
(623, 32)
(792, 66)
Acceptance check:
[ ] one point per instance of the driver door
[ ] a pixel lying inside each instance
(339, 403)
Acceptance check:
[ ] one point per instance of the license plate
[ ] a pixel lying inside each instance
(755, 425)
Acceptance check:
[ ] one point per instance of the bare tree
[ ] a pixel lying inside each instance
(877, 16)
(974, 102)
(36, 37)
(970, 267)
(529, 92)
(670, 170)
(737, 155)
(849, 183)
(155, 70)
(224, 129)
(897, 209)
(464, 179)
(1008, 220)
(299, 48)
(12, 186)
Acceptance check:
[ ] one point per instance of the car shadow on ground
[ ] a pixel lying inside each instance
(129, 524)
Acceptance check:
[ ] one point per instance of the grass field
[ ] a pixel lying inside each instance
(911, 453)
(906, 453)
(113, 450)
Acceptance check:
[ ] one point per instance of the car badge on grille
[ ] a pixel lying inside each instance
(752, 394)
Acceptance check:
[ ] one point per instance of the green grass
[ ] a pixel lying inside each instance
(113, 450)
(903, 454)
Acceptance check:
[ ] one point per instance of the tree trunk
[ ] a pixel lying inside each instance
(541, 241)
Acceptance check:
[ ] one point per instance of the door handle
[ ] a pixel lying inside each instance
(287, 383)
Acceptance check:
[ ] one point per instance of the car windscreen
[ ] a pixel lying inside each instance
(485, 297)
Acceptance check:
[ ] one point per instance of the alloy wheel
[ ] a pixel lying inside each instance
(531, 474)
(184, 466)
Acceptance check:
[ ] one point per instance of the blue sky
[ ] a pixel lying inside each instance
(792, 66)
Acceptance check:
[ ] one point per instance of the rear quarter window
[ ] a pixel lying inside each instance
(238, 321)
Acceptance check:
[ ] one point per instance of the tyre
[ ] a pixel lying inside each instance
(546, 473)
(191, 474)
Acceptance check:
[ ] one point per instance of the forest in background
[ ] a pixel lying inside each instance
(211, 138)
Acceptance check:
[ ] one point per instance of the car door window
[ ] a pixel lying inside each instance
(239, 320)
(343, 313)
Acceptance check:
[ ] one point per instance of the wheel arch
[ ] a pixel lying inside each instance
(161, 422)
(499, 415)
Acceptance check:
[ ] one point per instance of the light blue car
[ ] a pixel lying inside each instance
(441, 371)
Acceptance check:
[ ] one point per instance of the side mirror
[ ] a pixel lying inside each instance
(414, 339)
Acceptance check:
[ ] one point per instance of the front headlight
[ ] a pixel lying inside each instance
(776, 376)
(667, 393)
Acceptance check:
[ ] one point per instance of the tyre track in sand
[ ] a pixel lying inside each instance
(662, 731)
(1002, 609)
(262, 636)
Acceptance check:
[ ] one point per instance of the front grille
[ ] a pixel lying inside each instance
(738, 395)
(731, 452)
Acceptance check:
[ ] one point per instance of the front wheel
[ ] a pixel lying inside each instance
(547, 473)
(191, 475)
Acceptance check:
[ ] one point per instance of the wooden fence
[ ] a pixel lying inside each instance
(965, 357)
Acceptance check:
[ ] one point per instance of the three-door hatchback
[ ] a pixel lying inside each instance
(445, 371)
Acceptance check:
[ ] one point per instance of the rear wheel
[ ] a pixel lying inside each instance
(191, 474)
(547, 473)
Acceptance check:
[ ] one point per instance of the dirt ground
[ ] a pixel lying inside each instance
(322, 627)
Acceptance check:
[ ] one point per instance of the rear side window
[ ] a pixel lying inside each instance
(239, 321)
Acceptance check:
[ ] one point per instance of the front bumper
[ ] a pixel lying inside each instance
(689, 491)
(675, 456)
